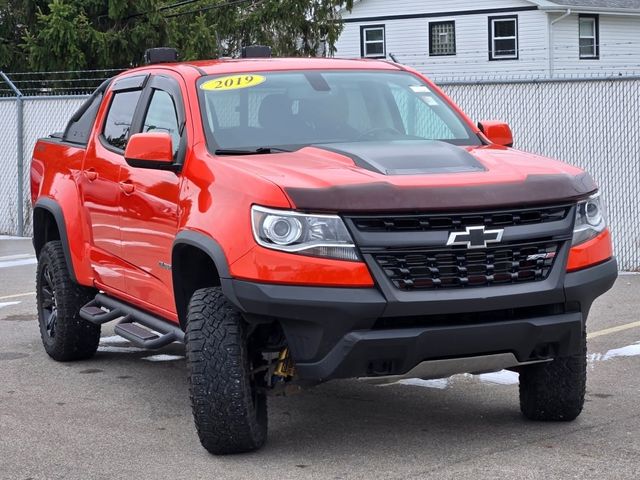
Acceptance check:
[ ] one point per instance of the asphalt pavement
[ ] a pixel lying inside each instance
(125, 414)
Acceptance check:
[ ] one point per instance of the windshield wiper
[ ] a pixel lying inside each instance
(248, 151)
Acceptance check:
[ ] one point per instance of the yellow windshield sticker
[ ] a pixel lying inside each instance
(233, 82)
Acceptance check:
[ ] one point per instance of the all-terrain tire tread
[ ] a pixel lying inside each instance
(226, 418)
(555, 391)
(75, 338)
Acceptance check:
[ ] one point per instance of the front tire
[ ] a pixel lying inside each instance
(65, 335)
(229, 409)
(555, 391)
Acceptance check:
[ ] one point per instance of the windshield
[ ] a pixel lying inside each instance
(289, 110)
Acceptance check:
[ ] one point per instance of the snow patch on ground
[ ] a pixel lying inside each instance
(114, 339)
(503, 377)
(8, 304)
(163, 358)
(628, 351)
(110, 349)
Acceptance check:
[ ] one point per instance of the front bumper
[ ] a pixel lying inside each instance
(365, 332)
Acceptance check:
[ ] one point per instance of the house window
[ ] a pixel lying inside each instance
(442, 38)
(589, 33)
(503, 38)
(372, 41)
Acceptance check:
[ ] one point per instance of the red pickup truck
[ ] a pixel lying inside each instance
(294, 221)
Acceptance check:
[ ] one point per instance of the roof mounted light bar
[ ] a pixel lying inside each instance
(160, 55)
(256, 51)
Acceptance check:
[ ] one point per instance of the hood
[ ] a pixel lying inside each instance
(417, 175)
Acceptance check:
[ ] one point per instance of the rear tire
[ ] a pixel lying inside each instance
(65, 336)
(229, 410)
(555, 391)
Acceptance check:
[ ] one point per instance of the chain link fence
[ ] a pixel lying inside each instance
(593, 124)
(33, 105)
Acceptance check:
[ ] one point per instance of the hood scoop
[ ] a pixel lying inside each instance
(407, 157)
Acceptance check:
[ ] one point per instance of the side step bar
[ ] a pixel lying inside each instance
(139, 327)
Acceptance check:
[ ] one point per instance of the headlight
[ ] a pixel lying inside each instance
(314, 235)
(590, 219)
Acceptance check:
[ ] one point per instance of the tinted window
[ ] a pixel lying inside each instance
(162, 117)
(79, 127)
(118, 124)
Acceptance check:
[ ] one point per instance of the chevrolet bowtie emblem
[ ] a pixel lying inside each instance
(475, 237)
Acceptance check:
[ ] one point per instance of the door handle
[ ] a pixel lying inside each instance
(91, 174)
(127, 187)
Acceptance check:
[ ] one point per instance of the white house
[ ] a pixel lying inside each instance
(498, 38)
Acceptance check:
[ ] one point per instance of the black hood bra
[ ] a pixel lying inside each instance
(432, 157)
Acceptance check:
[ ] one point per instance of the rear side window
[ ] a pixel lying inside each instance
(117, 127)
(162, 117)
(79, 127)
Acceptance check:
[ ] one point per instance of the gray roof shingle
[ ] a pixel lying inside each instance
(630, 4)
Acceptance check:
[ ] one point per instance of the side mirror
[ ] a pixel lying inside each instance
(150, 150)
(497, 132)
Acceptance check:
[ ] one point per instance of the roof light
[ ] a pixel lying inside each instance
(160, 55)
(256, 51)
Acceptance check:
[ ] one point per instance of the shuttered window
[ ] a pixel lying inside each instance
(442, 38)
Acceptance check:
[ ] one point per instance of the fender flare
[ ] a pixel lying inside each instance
(212, 248)
(55, 209)
(208, 245)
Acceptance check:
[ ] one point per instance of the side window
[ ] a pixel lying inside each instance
(162, 117)
(79, 127)
(118, 123)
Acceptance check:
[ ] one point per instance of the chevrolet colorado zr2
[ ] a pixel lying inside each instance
(294, 221)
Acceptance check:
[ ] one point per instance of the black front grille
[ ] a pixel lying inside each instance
(459, 267)
(429, 222)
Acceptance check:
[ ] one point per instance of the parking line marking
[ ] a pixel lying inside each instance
(16, 257)
(31, 260)
(17, 295)
(608, 331)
